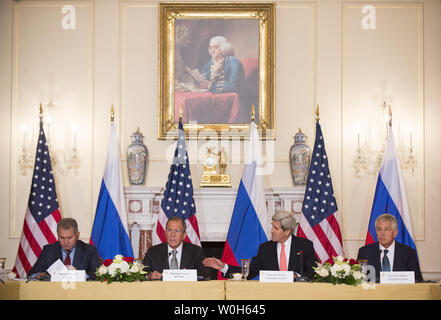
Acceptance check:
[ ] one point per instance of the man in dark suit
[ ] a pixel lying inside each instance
(74, 253)
(281, 253)
(175, 253)
(387, 254)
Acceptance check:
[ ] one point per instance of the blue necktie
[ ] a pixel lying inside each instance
(385, 262)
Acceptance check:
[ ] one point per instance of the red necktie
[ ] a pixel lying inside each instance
(283, 266)
(67, 259)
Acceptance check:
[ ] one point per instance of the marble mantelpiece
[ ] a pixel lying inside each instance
(214, 207)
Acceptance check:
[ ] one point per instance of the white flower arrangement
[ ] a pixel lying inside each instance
(340, 271)
(120, 269)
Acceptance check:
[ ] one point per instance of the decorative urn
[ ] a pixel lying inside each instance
(299, 159)
(137, 158)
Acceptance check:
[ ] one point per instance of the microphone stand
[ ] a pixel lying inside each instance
(302, 278)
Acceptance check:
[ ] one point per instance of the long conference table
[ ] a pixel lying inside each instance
(214, 290)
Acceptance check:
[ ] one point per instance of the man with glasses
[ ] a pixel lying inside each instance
(175, 253)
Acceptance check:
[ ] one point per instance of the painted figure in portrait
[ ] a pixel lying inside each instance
(216, 70)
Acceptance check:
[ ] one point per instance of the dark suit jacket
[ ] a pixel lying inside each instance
(266, 258)
(405, 258)
(156, 258)
(86, 258)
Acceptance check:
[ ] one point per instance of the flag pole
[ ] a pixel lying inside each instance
(253, 114)
(112, 114)
(390, 116)
(41, 112)
(317, 113)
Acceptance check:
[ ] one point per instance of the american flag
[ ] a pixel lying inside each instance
(178, 195)
(42, 214)
(319, 222)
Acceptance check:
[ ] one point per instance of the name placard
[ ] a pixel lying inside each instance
(179, 275)
(276, 276)
(397, 277)
(69, 276)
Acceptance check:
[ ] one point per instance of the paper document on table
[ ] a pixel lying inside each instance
(57, 267)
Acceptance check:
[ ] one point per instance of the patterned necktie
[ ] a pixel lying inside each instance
(174, 261)
(67, 259)
(283, 266)
(385, 263)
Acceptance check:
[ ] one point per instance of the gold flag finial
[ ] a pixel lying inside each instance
(390, 115)
(317, 113)
(180, 113)
(112, 113)
(41, 111)
(253, 113)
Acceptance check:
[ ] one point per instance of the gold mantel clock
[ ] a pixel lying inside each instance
(214, 171)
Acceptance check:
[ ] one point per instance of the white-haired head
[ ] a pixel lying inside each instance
(225, 47)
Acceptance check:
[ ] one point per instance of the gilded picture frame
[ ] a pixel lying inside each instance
(216, 64)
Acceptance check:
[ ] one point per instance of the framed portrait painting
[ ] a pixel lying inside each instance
(216, 68)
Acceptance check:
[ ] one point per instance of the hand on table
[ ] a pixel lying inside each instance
(213, 263)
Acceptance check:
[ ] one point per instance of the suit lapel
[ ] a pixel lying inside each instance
(79, 252)
(164, 262)
(184, 256)
(378, 258)
(397, 255)
(274, 259)
(59, 254)
(294, 263)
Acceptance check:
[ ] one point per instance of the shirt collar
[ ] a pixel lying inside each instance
(287, 243)
(391, 248)
(71, 250)
(178, 249)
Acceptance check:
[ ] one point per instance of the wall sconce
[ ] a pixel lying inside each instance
(409, 159)
(61, 159)
(368, 158)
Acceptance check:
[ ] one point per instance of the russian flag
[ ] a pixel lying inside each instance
(250, 225)
(109, 232)
(390, 196)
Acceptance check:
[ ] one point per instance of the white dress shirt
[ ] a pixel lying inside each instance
(178, 254)
(390, 255)
(287, 243)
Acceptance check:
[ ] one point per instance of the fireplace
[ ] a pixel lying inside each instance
(214, 207)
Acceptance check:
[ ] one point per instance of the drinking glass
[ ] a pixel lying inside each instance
(245, 267)
(363, 265)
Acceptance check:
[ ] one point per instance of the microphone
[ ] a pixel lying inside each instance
(302, 278)
(167, 264)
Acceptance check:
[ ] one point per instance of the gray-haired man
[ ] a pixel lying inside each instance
(387, 254)
(280, 253)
